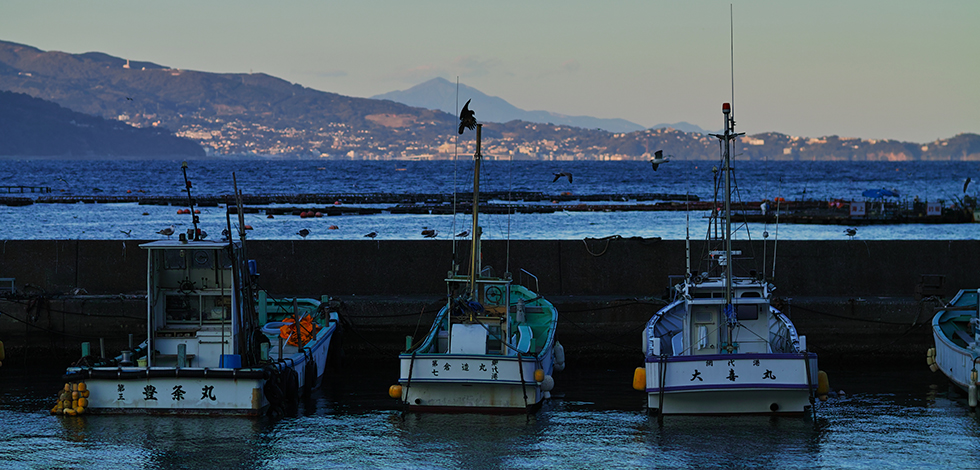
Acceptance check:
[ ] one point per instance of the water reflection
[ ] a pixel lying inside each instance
(898, 419)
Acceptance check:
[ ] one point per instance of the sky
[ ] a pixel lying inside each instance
(874, 69)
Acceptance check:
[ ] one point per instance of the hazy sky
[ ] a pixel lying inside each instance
(907, 70)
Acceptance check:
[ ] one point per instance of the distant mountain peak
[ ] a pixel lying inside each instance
(440, 94)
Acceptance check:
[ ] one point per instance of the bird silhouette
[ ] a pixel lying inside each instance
(371, 235)
(126, 232)
(463, 234)
(965, 184)
(168, 231)
(429, 233)
(658, 159)
(851, 232)
(303, 233)
(564, 174)
(467, 118)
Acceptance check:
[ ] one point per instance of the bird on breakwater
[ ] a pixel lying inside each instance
(966, 184)
(168, 231)
(658, 159)
(851, 232)
(467, 118)
(429, 233)
(463, 233)
(564, 174)
(303, 233)
(371, 235)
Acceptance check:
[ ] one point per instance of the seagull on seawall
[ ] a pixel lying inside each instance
(303, 233)
(467, 118)
(658, 159)
(564, 174)
(371, 235)
(168, 231)
(851, 232)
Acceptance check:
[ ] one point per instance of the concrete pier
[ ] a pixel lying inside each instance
(854, 300)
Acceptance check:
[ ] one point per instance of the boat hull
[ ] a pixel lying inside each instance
(956, 349)
(199, 391)
(473, 383)
(731, 384)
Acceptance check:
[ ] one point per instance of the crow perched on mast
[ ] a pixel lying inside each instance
(467, 120)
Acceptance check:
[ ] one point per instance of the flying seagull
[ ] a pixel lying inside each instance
(127, 232)
(658, 158)
(967, 183)
(561, 175)
(467, 120)
(303, 233)
(168, 231)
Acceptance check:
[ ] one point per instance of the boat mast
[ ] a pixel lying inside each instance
(726, 109)
(475, 248)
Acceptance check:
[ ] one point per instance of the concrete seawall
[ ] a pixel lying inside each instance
(854, 300)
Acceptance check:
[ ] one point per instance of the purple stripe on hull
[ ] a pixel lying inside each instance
(723, 357)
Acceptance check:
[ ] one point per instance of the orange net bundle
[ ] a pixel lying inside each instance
(307, 331)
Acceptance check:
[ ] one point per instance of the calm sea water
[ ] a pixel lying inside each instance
(888, 419)
(756, 181)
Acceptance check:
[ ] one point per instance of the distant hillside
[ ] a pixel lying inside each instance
(440, 94)
(261, 115)
(32, 127)
(683, 126)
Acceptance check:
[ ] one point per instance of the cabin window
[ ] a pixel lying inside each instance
(747, 311)
(751, 294)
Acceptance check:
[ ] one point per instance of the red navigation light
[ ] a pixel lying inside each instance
(726, 108)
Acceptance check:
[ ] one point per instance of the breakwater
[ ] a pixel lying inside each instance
(853, 299)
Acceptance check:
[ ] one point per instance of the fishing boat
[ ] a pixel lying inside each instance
(213, 345)
(720, 346)
(956, 331)
(491, 348)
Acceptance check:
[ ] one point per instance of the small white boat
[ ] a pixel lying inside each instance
(956, 331)
(491, 348)
(719, 346)
(213, 345)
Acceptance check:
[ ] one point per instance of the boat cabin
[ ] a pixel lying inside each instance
(191, 297)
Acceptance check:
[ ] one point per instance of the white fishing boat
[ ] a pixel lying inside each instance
(213, 345)
(490, 349)
(719, 346)
(956, 331)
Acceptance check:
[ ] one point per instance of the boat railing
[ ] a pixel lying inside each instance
(523, 272)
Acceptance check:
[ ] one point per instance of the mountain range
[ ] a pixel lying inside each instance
(254, 114)
(441, 94)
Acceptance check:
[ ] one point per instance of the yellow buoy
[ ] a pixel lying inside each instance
(81, 386)
(74, 395)
(84, 393)
(83, 402)
(640, 379)
(395, 391)
(67, 387)
(823, 383)
(539, 375)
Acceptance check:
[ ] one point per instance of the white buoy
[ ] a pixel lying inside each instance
(548, 383)
(559, 357)
(972, 396)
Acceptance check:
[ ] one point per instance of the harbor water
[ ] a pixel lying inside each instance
(901, 416)
(888, 418)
